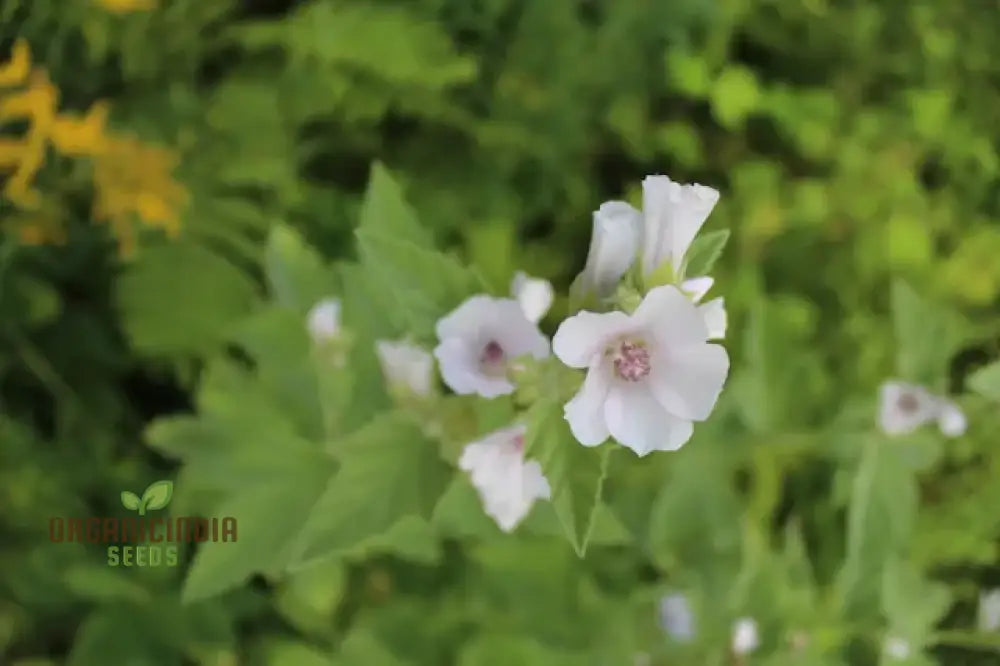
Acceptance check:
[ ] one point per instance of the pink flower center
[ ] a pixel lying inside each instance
(631, 361)
(908, 403)
(492, 358)
(519, 442)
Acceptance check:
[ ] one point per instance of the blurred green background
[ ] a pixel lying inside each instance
(855, 145)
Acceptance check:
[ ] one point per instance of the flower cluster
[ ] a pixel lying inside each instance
(643, 339)
(132, 180)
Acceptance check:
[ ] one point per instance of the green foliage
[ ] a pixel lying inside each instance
(402, 156)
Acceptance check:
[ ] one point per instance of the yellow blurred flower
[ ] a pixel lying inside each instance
(127, 6)
(133, 180)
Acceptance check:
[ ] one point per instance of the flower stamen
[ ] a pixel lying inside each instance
(492, 358)
(631, 361)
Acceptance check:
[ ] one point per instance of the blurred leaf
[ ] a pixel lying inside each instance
(986, 381)
(169, 283)
(268, 518)
(389, 470)
(926, 336)
(575, 473)
(735, 94)
(295, 272)
(704, 252)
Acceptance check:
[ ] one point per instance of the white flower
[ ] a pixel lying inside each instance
(951, 420)
(507, 483)
(745, 638)
(477, 341)
(614, 244)
(896, 648)
(672, 216)
(905, 407)
(323, 320)
(989, 610)
(714, 312)
(676, 617)
(534, 294)
(406, 365)
(649, 375)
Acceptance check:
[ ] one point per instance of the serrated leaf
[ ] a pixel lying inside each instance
(419, 286)
(268, 517)
(986, 381)
(704, 251)
(181, 282)
(575, 473)
(156, 496)
(295, 272)
(130, 500)
(389, 470)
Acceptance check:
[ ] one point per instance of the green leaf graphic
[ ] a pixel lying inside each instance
(156, 496)
(130, 500)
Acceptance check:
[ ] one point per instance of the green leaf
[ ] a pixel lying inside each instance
(501, 650)
(418, 285)
(269, 516)
(389, 470)
(927, 336)
(986, 381)
(880, 520)
(912, 604)
(157, 496)
(130, 500)
(181, 282)
(575, 472)
(295, 272)
(704, 251)
(386, 211)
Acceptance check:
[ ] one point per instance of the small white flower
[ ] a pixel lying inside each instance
(614, 244)
(989, 610)
(323, 320)
(745, 638)
(676, 617)
(905, 407)
(951, 420)
(508, 485)
(477, 341)
(714, 312)
(649, 374)
(534, 294)
(672, 216)
(406, 365)
(897, 648)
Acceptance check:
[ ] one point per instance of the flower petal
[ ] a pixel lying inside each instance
(670, 319)
(714, 314)
(688, 383)
(697, 287)
(951, 420)
(614, 243)
(585, 412)
(466, 319)
(639, 422)
(406, 364)
(673, 214)
(516, 335)
(585, 334)
(535, 295)
(893, 419)
(459, 365)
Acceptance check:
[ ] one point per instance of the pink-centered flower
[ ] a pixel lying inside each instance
(650, 375)
(507, 483)
(479, 338)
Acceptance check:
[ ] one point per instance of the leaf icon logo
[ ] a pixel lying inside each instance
(156, 496)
